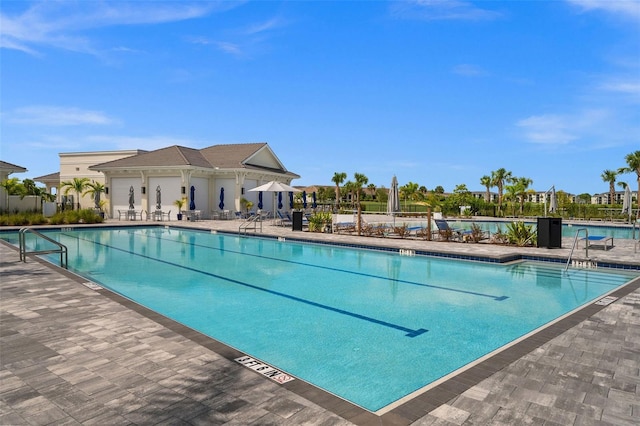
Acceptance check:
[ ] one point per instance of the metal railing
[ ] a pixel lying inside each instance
(251, 223)
(62, 249)
(575, 242)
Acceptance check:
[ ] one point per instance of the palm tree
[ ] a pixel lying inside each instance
(487, 183)
(360, 180)
(610, 176)
(78, 185)
(409, 191)
(520, 187)
(338, 178)
(94, 188)
(633, 162)
(498, 178)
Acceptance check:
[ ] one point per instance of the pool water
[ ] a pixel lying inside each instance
(370, 327)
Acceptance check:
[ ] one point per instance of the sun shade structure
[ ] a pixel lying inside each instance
(131, 199)
(275, 186)
(158, 198)
(393, 202)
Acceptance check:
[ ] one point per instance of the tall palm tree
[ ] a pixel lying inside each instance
(77, 185)
(610, 176)
(409, 191)
(633, 162)
(487, 183)
(338, 178)
(498, 178)
(360, 180)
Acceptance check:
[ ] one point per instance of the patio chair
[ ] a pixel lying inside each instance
(283, 221)
(446, 233)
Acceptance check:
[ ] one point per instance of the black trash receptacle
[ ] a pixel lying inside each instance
(550, 232)
(297, 221)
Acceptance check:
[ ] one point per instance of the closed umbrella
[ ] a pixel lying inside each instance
(304, 199)
(279, 200)
(158, 198)
(313, 197)
(192, 204)
(553, 202)
(393, 202)
(626, 202)
(221, 205)
(260, 205)
(96, 199)
(131, 199)
(291, 200)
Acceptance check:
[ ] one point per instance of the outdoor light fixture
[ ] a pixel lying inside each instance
(144, 190)
(183, 190)
(106, 190)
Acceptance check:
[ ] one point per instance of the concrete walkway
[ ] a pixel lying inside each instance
(74, 355)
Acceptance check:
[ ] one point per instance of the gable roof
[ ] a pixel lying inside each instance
(231, 156)
(51, 177)
(11, 168)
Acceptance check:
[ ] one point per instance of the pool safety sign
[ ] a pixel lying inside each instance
(264, 369)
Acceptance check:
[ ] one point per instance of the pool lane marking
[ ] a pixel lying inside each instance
(472, 293)
(409, 332)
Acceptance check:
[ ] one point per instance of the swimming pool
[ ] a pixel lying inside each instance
(370, 327)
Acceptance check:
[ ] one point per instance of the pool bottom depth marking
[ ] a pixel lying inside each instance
(409, 332)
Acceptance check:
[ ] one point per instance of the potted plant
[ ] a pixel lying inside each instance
(179, 203)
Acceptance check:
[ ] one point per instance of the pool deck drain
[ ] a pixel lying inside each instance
(73, 355)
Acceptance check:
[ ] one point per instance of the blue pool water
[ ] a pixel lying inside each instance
(370, 327)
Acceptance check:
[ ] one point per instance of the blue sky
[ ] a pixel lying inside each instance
(435, 92)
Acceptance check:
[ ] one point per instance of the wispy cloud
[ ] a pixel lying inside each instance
(469, 70)
(438, 10)
(62, 24)
(629, 9)
(40, 115)
(245, 39)
(562, 129)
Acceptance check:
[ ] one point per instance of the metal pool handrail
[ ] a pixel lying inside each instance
(575, 242)
(62, 249)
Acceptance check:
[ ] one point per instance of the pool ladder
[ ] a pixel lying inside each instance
(250, 223)
(62, 249)
(575, 243)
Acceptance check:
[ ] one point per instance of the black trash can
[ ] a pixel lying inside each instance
(550, 232)
(297, 221)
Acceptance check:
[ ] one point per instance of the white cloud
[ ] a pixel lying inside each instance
(57, 116)
(625, 8)
(562, 129)
(468, 70)
(60, 24)
(436, 10)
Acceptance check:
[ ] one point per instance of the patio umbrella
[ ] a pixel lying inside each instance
(131, 199)
(260, 205)
(221, 205)
(290, 200)
(304, 199)
(192, 204)
(275, 186)
(553, 202)
(626, 201)
(158, 198)
(393, 202)
(313, 197)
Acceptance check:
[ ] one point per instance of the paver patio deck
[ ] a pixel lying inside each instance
(73, 355)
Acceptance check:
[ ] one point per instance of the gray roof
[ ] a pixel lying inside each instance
(48, 178)
(231, 156)
(11, 168)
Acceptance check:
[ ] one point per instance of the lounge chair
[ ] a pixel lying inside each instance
(283, 221)
(597, 241)
(446, 233)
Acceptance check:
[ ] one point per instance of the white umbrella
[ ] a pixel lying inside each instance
(393, 202)
(274, 186)
(626, 202)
